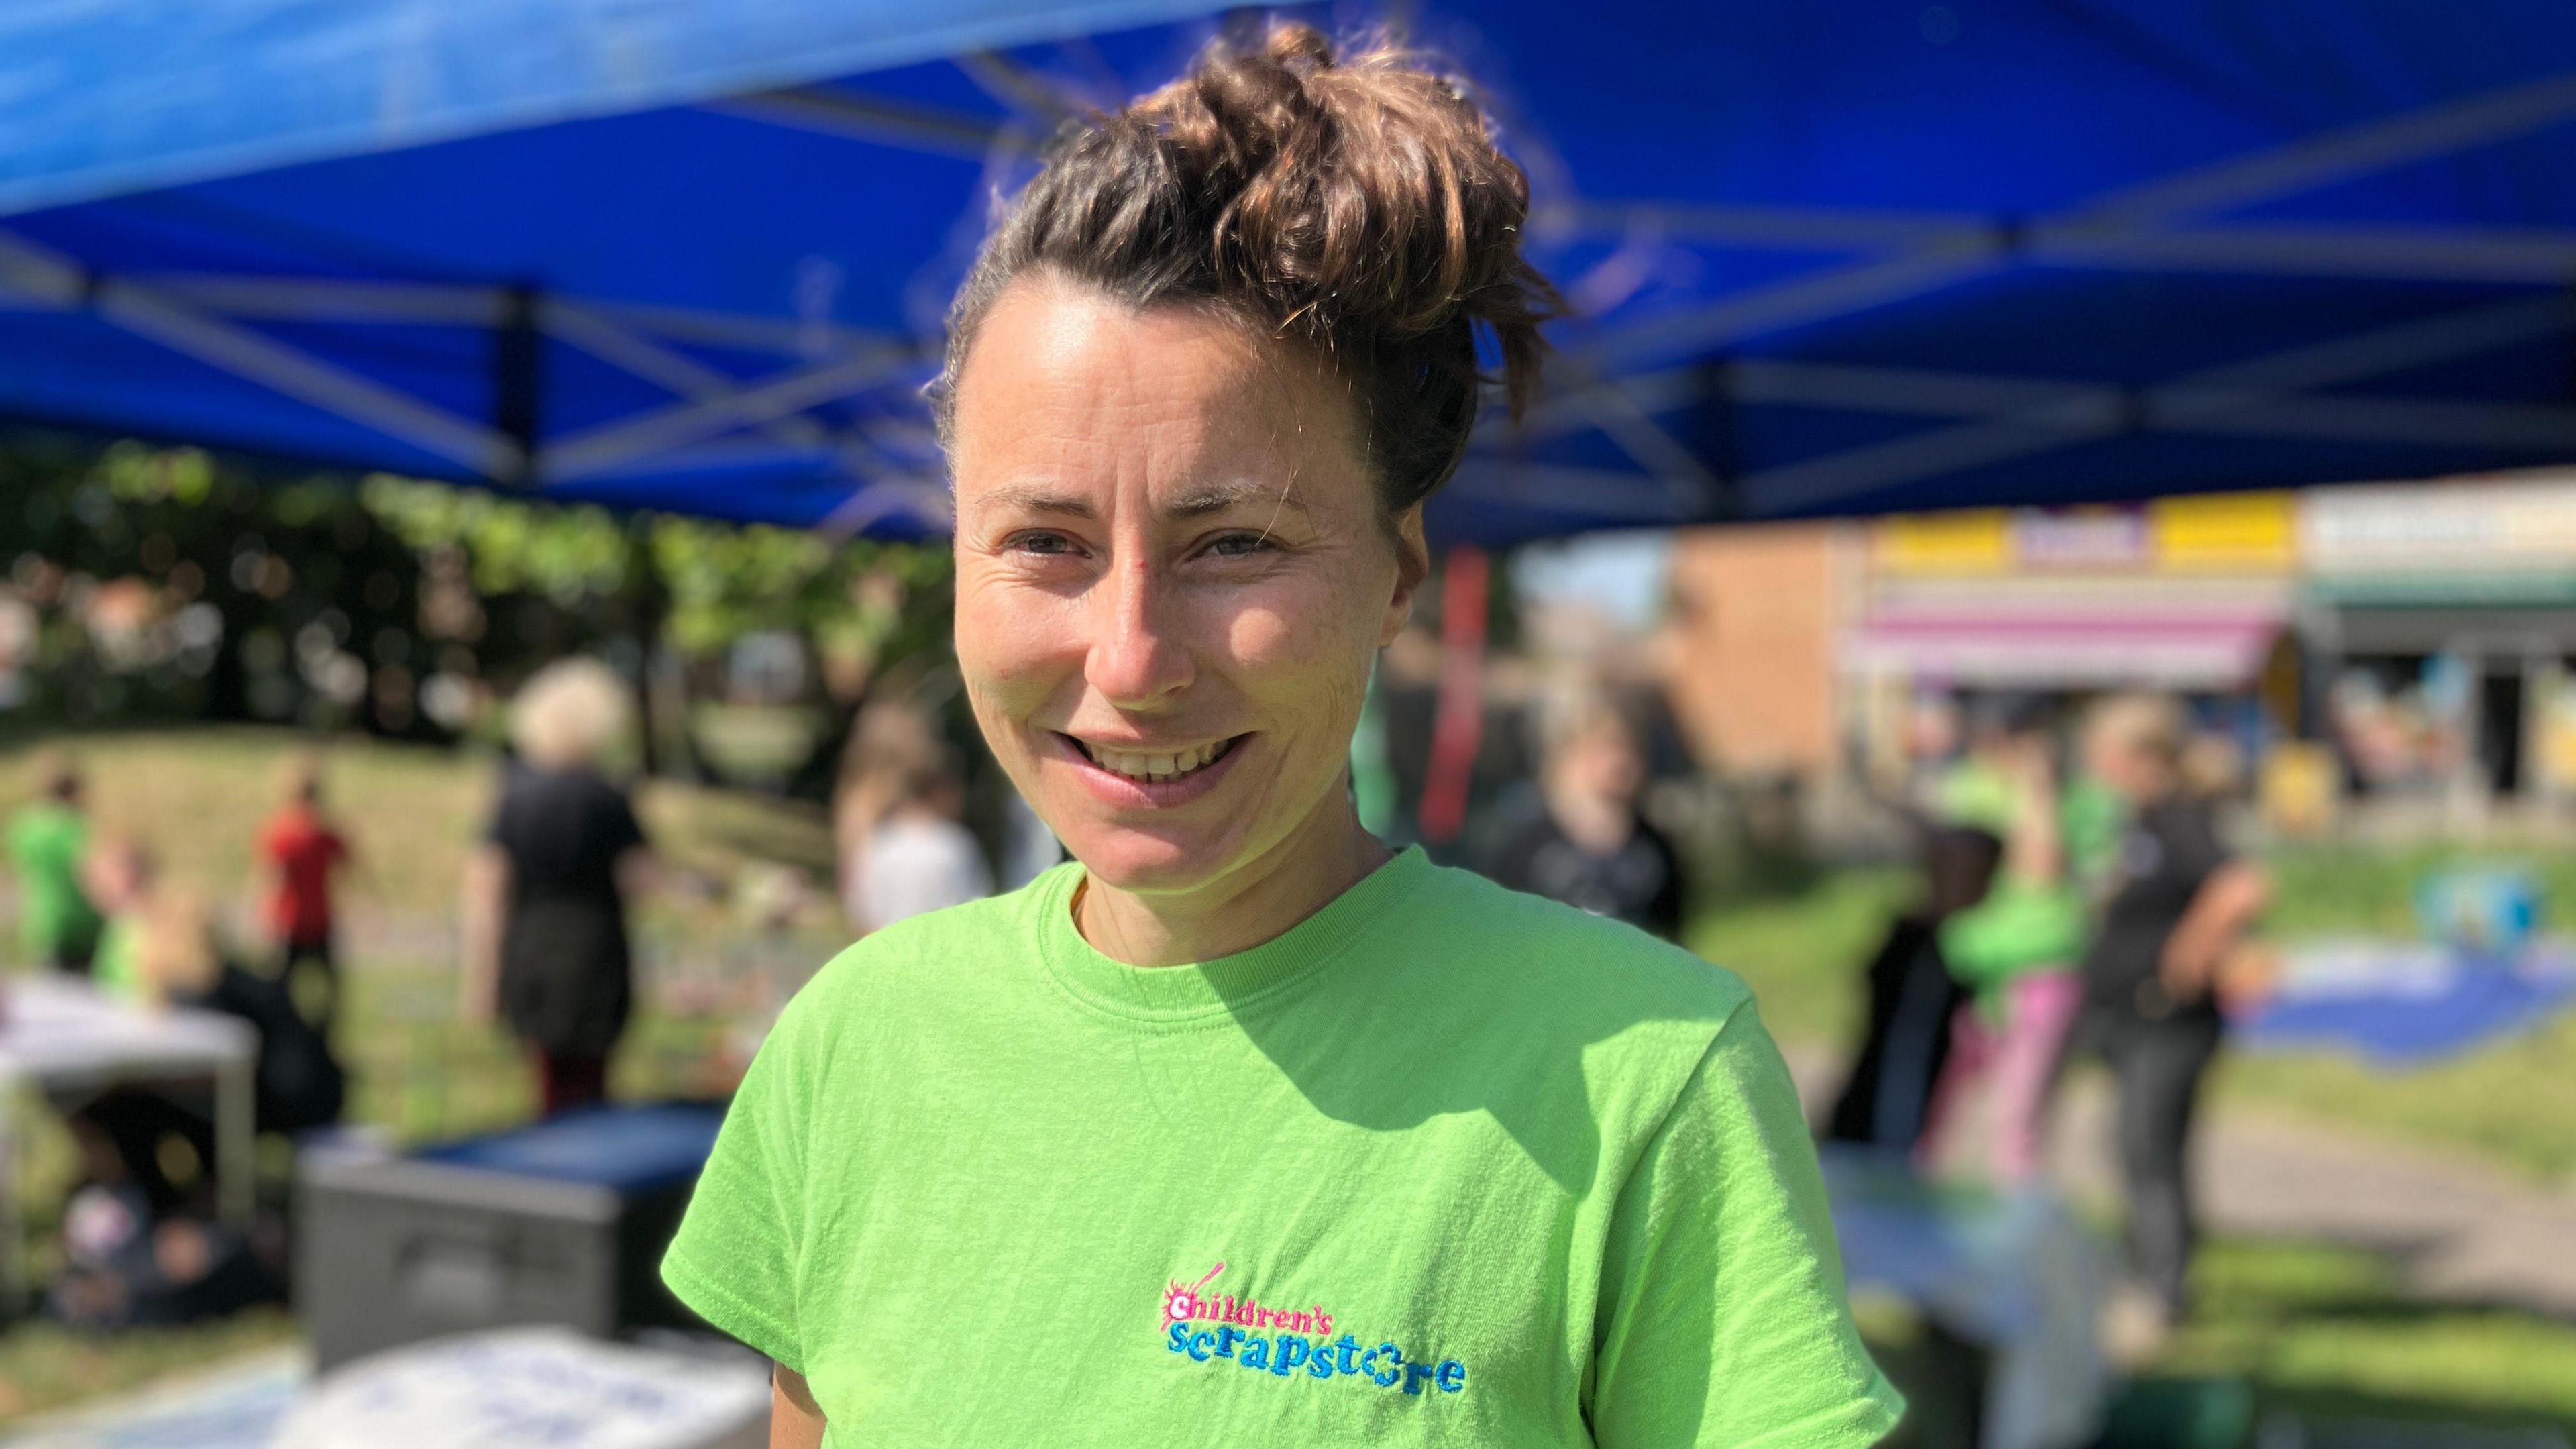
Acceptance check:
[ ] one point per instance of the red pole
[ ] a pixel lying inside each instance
(1458, 721)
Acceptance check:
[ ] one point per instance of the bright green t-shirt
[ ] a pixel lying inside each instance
(1444, 1164)
(46, 842)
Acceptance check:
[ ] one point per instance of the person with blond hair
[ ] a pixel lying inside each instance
(2180, 908)
(1587, 842)
(892, 742)
(546, 947)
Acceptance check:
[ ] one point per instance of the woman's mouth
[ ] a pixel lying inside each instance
(1159, 777)
(1155, 765)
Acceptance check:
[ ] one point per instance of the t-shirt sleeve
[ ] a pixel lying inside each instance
(737, 1256)
(1723, 1322)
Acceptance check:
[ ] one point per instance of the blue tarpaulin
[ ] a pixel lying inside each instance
(1830, 258)
(2406, 1004)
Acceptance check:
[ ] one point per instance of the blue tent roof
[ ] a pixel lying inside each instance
(1835, 257)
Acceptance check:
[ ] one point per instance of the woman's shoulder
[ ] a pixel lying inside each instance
(1522, 946)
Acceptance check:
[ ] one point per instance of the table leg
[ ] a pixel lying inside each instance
(236, 1149)
(13, 1227)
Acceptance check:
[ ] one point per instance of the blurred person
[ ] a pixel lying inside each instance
(891, 743)
(1242, 1092)
(140, 1246)
(2178, 918)
(921, 858)
(547, 951)
(2017, 948)
(1586, 843)
(304, 851)
(1913, 996)
(58, 925)
(119, 874)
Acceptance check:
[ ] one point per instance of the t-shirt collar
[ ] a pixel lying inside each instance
(1228, 984)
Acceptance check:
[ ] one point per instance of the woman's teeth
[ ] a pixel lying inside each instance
(1148, 766)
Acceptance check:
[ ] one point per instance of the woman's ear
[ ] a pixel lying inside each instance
(1412, 566)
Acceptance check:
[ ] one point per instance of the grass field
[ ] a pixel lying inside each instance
(2322, 1332)
(2307, 1326)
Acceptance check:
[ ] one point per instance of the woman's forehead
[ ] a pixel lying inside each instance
(1069, 383)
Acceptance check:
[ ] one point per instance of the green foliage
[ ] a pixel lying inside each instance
(571, 555)
(725, 581)
(400, 605)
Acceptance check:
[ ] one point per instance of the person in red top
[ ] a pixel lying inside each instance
(300, 846)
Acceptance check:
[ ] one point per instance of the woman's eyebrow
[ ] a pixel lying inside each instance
(1037, 498)
(1207, 499)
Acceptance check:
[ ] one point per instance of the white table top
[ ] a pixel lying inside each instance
(57, 1032)
(534, 1388)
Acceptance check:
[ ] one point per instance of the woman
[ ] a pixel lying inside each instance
(1587, 844)
(2180, 908)
(1238, 1128)
(889, 744)
(545, 896)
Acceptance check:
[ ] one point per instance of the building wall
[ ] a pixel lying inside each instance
(1749, 653)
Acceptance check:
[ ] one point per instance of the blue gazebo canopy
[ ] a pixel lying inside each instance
(1835, 257)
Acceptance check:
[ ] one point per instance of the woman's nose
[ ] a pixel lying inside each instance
(1136, 658)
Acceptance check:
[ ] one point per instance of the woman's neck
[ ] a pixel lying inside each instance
(1260, 901)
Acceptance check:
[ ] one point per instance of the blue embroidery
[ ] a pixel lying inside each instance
(1384, 1365)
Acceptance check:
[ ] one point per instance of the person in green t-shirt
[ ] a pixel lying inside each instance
(2016, 949)
(48, 839)
(1240, 1128)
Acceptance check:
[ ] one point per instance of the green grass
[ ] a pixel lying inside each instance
(2323, 1332)
(46, 1366)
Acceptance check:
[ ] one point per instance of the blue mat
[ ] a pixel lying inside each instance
(2423, 1005)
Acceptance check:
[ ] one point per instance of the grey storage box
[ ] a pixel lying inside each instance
(562, 1222)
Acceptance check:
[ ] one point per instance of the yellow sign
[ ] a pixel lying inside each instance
(2297, 790)
(1971, 541)
(2230, 531)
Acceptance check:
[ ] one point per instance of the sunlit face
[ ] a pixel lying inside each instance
(2120, 762)
(1600, 760)
(1171, 579)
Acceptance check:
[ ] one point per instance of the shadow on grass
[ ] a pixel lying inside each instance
(2323, 1333)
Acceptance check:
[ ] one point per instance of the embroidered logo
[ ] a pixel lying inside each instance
(1282, 1341)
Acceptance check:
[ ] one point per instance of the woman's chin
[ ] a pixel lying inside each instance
(1149, 863)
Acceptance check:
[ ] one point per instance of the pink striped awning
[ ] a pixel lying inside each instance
(2183, 654)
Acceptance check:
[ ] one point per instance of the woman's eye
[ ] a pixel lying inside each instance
(1239, 545)
(1045, 544)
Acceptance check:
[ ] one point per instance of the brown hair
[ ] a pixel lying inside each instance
(1359, 205)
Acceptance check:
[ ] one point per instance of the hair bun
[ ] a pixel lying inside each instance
(1290, 43)
(1358, 202)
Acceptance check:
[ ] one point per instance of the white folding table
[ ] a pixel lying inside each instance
(64, 1038)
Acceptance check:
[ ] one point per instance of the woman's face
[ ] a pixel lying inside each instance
(1171, 580)
(2137, 773)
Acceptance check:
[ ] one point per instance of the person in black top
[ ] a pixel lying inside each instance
(1581, 840)
(2180, 903)
(546, 948)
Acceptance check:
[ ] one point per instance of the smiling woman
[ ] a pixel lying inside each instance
(1199, 383)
